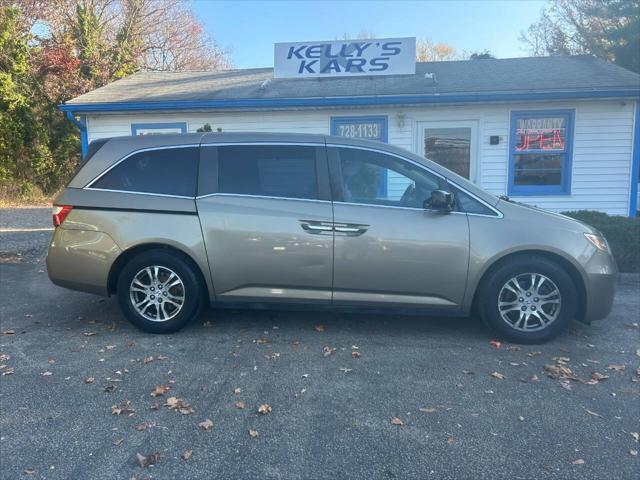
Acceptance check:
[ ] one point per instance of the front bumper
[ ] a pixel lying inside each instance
(600, 286)
(81, 259)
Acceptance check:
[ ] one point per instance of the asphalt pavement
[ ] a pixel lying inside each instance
(349, 396)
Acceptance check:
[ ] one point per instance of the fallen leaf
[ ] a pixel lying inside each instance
(562, 360)
(89, 334)
(345, 370)
(356, 354)
(143, 426)
(47, 374)
(240, 405)
(579, 461)
(145, 460)
(118, 441)
(206, 425)
(617, 368)
(427, 409)
(148, 360)
(534, 354)
(262, 341)
(396, 421)
(179, 405)
(450, 440)
(110, 388)
(9, 332)
(7, 371)
(89, 379)
(521, 418)
(513, 348)
(633, 453)
(187, 454)
(237, 390)
(327, 350)
(468, 372)
(592, 413)
(560, 371)
(253, 433)
(124, 409)
(636, 436)
(29, 471)
(264, 409)
(497, 375)
(599, 376)
(495, 343)
(160, 390)
(319, 328)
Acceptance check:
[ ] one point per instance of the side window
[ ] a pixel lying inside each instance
(168, 171)
(287, 171)
(468, 204)
(379, 179)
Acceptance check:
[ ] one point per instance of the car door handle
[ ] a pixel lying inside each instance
(315, 227)
(351, 230)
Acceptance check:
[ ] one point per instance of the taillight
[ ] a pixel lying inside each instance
(59, 213)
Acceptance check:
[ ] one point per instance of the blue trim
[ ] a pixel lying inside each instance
(135, 126)
(259, 103)
(82, 126)
(383, 121)
(565, 181)
(635, 166)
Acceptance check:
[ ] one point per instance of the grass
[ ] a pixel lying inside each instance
(14, 196)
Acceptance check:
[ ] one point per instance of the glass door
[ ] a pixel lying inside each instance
(450, 144)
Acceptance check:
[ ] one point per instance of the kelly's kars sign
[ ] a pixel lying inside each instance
(385, 56)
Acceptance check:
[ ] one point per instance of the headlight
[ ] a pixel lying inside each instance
(598, 241)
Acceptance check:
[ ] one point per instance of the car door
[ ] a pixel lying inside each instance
(388, 249)
(266, 217)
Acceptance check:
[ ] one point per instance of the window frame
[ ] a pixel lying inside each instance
(209, 162)
(90, 186)
(336, 182)
(564, 188)
(158, 126)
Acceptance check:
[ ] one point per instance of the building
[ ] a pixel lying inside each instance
(562, 133)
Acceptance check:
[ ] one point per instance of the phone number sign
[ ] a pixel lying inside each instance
(367, 128)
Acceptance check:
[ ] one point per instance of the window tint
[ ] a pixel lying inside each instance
(466, 203)
(170, 171)
(379, 179)
(268, 170)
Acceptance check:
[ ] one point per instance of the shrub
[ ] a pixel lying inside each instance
(622, 233)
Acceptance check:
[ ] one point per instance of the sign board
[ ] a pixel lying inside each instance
(346, 58)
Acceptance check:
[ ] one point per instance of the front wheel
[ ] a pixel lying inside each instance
(528, 300)
(159, 292)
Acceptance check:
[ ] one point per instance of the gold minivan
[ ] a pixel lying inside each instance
(173, 223)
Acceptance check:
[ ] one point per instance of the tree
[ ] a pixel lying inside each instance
(427, 51)
(481, 55)
(607, 29)
(54, 50)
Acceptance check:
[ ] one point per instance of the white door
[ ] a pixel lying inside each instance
(452, 144)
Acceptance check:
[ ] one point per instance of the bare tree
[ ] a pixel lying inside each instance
(427, 51)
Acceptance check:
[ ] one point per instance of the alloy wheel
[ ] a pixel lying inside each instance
(157, 293)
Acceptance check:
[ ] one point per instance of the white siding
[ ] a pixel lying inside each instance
(602, 148)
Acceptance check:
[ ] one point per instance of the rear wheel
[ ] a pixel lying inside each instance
(528, 300)
(159, 291)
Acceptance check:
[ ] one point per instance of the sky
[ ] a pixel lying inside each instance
(250, 28)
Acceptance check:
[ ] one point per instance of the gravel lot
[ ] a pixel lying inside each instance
(71, 358)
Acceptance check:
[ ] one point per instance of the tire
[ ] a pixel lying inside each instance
(180, 295)
(549, 313)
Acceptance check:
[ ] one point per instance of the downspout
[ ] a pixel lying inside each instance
(82, 126)
(635, 163)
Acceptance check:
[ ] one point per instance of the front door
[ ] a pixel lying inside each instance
(266, 218)
(450, 144)
(388, 248)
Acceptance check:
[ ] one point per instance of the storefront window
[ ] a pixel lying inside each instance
(540, 156)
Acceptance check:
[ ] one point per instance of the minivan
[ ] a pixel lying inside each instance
(173, 223)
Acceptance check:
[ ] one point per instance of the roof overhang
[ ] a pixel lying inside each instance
(354, 101)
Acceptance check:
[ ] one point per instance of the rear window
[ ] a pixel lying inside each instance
(168, 171)
(268, 170)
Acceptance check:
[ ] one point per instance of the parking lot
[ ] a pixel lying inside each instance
(341, 396)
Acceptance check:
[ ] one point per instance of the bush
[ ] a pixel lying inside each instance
(622, 233)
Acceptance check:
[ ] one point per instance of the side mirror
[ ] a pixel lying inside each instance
(440, 200)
